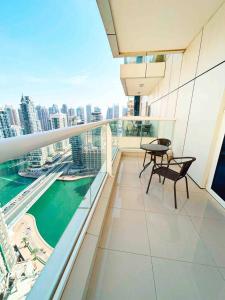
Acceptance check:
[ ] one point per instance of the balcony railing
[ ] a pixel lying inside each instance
(145, 59)
(59, 191)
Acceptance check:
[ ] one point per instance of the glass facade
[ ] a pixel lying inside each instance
(218, 183)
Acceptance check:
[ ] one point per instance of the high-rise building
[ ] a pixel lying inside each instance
(59, 120)
(13, 115)
(43, 116)
(96, 116)
(97, 109)
(71, 112)
(77, 148)
(6, 249)
(109, 114)
(125, 111)
(5, 127)
(130, 106)
(71, 116)
(20, 117)
(53, 109)
(64, 109)
(88, 113)
(116, 111)
(16, 130)
(38, 157)
(80, 113)
(30, 122)
(91, 158)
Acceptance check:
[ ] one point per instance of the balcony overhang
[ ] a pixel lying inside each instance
(140, 79)
(142, 27)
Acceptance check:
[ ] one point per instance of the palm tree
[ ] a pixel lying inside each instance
(25, 241)
(34, 253)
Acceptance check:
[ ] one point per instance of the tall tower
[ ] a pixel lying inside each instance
(30, 120)
(43, 116)
(109, 114)
(13, 115)
(6, 249)
(59, 120)
(116, 111)
(80, 113)
(5, 127)
(88, 113)
(64, 109)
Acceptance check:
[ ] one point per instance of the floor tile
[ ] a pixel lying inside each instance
(212, 232)
(159, 200)
(125, 230)
(120, 276)
(129, 166)
(174, 237)
(202, 204)
(222, 271)
(128, 179)
(181, 185)
(179, 280)
(128, 198)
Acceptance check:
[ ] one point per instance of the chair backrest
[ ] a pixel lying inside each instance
(186, 165)
(164, 142)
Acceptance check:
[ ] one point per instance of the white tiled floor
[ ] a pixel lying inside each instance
(149, 250)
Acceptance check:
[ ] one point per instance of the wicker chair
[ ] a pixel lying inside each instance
(163, 170)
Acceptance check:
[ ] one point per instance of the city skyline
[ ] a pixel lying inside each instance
(41, 57)
(30, 117)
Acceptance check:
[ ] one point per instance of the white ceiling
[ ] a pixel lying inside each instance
(140, 26)
(139, 86)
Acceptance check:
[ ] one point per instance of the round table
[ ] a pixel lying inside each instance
(154, 150)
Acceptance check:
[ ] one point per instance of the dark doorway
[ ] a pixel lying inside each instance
(218, 185)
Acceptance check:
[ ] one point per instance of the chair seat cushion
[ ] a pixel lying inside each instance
(168, 173)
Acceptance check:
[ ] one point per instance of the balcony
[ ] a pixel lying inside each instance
(118, 242)
(140, 75)
(147, 250)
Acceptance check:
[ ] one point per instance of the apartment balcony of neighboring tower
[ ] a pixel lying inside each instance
(140, 74)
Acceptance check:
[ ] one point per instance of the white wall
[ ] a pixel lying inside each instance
(196, 103)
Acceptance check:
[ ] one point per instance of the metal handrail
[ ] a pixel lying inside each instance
(14, 147)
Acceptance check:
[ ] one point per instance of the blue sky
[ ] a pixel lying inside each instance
(56, 51)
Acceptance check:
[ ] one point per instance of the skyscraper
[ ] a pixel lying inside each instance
(88, 113)
(77, 148)
(6, 249)
(64, 109)
(59, 120)
(30, 122)
(125, 111)
(43, 116)
(13, 115)
(20, 117)
(80, 113)
(116, 111)
(96, 116)
(109, 114)
(97, 109)
(71, 112)
(53, 109)
(5, 127)
(71, 116)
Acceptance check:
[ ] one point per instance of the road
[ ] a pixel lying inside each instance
(20, 204)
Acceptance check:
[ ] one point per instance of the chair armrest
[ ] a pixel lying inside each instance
(153, 141)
